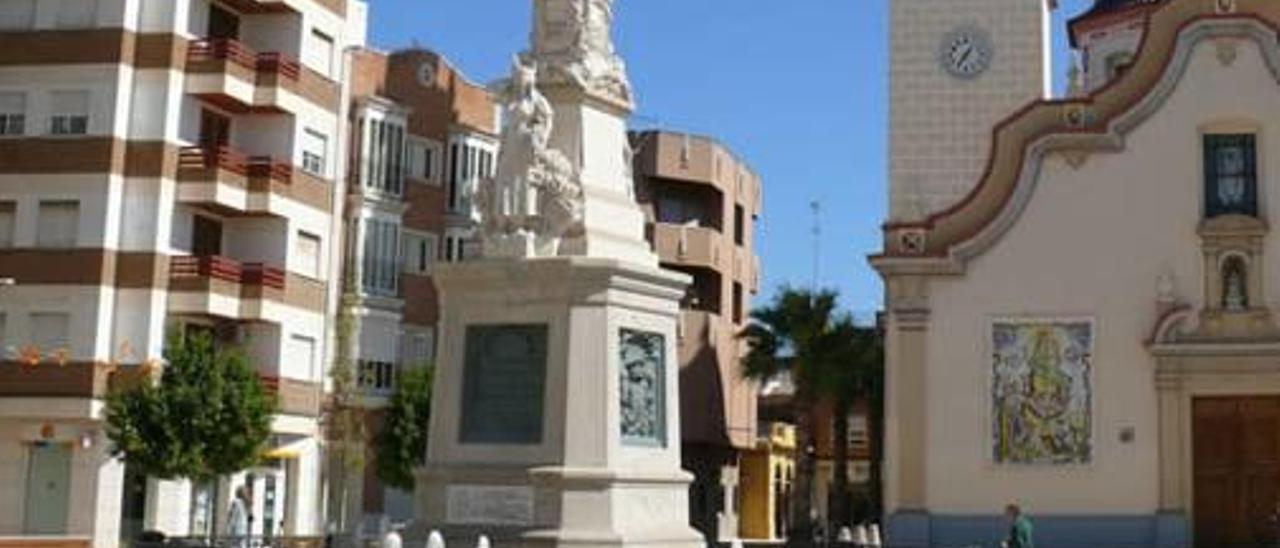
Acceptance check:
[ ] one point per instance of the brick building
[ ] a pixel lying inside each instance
(422, 138)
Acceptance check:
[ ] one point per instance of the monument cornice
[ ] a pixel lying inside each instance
(943, 242)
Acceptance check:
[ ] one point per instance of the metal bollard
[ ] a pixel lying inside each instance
(435, 539)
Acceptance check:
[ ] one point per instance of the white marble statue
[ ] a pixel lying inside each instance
(574, 39)
(536, 195)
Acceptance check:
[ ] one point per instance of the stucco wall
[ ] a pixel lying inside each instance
(1091, 242)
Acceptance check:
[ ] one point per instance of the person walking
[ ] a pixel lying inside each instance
(238, 518)
(1021, 532)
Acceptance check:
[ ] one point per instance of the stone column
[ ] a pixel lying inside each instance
(1172, 524)
(906, 417)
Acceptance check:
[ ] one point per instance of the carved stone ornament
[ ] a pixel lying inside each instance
(536, 196)
(1076, 157)
(572, 38)
(1224, 6)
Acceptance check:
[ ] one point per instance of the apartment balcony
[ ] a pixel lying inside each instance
(232, 76)
(688, 245)
(228, 182)
(746, 269)
(294, 397)
(215, 286)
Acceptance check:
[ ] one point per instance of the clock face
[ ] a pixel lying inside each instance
(966, 52)
(427, 74)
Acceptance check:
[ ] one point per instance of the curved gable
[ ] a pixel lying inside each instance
(1075, 128)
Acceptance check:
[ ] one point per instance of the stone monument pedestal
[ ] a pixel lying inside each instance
(555, 417)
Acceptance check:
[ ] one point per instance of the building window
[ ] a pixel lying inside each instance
(739, 225)
(452, 250)
(320, 53)
(59, 223)
(76, 14)
(423, 160)
(8, 223)
(50, 331)
(3, 320)
(13, 113)
(381, 274)
(384, 162)
(69, 113)
(315, 146)
(417, 348)
(377, 376)
(17, 14)
(419, 252)
(304, 353)
(737, 302)
(1231, 179)
(307, 250)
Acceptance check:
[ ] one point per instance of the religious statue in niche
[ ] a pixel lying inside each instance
(1041, 392)
(574, 38)
(641, 364)
(536, 195)
(1235, 293)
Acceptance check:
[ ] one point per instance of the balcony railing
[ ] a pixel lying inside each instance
(221, 157)
(258, 274)
(226, 49)
(209, 266)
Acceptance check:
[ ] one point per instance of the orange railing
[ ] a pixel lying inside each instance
(222, 49)
(278, 63)
(227, 49)
(207, 266)
(263, 275)
(222, 157)
(266, 166)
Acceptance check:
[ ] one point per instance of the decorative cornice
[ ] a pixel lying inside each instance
(1098, 122)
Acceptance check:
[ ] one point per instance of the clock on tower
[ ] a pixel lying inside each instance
(957, 67)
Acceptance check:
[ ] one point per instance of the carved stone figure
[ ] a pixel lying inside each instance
(574, 39)
(1234, 295)
(536, 195)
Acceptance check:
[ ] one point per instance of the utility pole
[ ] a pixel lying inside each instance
(816, 208)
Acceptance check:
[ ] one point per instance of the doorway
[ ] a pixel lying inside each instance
(223, 23)
(133, 505)
(1236, 460)
(206, 236)
(215, 130)
(48, 489)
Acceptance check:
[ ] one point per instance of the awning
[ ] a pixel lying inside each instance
(291, 450)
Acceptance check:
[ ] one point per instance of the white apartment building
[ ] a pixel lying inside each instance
(164, 165)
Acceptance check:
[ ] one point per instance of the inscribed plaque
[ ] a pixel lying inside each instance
(488, 505)
(503, 384)
(642, 363)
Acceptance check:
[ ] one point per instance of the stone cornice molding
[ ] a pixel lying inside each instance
(942, 243)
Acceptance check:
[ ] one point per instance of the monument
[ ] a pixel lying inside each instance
(555, 418)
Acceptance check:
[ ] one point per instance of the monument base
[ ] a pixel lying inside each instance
(587, 451)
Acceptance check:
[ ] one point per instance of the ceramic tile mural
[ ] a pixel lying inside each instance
(1041, 392)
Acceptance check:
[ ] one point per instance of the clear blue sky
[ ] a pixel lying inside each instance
(796, 88)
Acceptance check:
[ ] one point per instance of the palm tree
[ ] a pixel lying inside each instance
(793, 335)
(857, 356)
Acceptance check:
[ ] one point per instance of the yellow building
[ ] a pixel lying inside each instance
(767, 473)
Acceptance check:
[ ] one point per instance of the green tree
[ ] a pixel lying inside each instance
(344, 420)
(402, 441)
(793, 335)
(208, 416)
(857, 354)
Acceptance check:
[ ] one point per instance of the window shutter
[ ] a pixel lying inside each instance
(17, 14)
(13, 103)
(8, 220)
(70, 103)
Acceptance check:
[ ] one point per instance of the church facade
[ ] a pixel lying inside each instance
(1080, 292)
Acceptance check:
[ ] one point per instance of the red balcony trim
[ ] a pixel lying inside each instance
(266, 166)
(263, 275)
(222, 157)
(222, 49)
(279, 64)
(209, 266)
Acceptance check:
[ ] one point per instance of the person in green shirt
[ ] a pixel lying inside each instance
(1020, 529)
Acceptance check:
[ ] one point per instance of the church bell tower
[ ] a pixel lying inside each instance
(957, 68)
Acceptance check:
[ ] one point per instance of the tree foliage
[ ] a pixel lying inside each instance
(830, 360)
(402, 441)
(208, 416)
